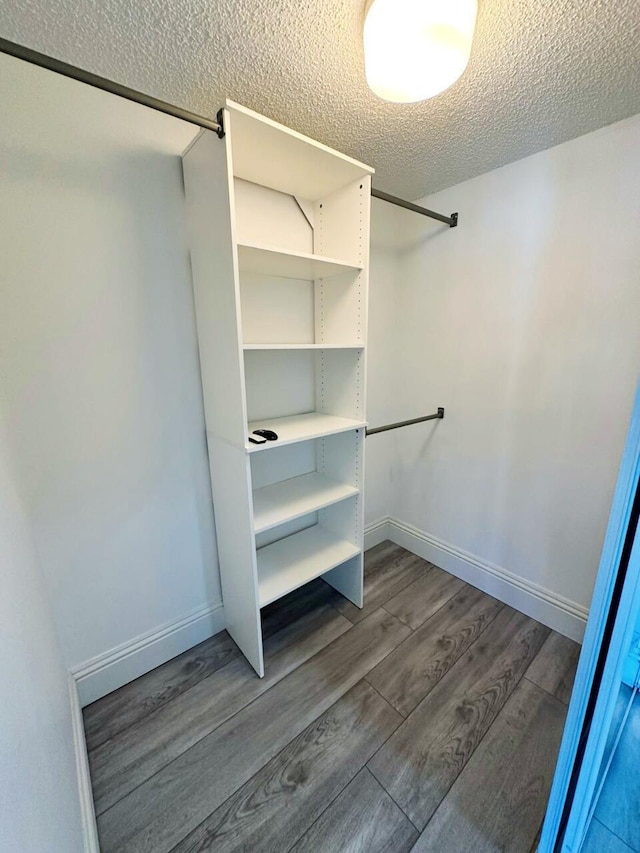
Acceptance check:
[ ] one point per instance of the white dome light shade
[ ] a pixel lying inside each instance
(415, 49)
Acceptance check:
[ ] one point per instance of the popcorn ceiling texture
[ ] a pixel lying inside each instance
(541, 72)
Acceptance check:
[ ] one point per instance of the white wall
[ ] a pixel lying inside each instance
(524, 322)
(99, 372)
(39, 798)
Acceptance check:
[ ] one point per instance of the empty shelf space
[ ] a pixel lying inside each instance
(267, 153)
(266, 260)
(289, 499)
(301, 346)
(292, 562)
(301, 428)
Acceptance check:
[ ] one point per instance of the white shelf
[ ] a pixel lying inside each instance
(267, 153)
(292, 562)
(301, 428)
(268, 260)
(301, 346)
(264, 305)
(289, 499)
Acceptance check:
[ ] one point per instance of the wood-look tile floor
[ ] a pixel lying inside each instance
(428, 721)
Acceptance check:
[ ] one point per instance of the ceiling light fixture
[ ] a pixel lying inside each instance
(415, 49)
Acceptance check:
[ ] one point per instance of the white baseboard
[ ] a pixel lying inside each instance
(376, 532)
(87, 812)
(108, 671)
(545, 606)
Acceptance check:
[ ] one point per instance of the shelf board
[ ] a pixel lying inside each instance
(301, 428)
(289, 499)
(268, 260)
(292, 562)
(270, 154)
(301, 346)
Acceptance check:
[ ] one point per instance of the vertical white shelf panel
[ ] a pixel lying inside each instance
(279, 241)
(231, 487)
(208, 180)
(207, 170)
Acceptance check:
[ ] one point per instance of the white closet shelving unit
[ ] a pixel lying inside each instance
(279, 240)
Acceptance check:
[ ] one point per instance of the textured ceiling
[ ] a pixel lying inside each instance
(541, 72)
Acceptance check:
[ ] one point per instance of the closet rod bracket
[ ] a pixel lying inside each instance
(220, 130)
(454, 220)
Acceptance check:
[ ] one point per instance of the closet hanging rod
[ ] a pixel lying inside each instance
(438, 416)
(451, 221)
(51, 64)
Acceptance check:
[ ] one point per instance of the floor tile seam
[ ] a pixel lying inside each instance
(453, 665)
(476, 747)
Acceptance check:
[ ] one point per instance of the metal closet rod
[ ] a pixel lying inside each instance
(75, 73)
(451, 221)
(438, 416)
(51, 64)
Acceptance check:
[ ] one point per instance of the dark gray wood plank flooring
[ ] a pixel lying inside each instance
(501, 794)
(406, 676)
(121, 764)
(421, 761)
(363, 819)
(554, 668)
(370, 727)
(421, 599)
(132, 703)
(277, 805)
(203, 777)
